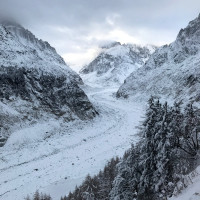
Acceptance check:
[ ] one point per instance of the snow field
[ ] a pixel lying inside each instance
(55, 156)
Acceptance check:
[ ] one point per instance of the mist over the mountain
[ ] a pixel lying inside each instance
(76, 28)
(115, 63)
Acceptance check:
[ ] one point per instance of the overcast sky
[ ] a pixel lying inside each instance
(77, 27)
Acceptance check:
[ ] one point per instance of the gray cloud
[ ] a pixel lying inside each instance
(77, 26)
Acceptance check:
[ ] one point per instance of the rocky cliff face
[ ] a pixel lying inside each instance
(115, 62)
(173, 71)
(35, 82)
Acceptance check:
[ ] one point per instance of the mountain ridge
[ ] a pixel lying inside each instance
(115, 62)
(35, 82)
(171, 71)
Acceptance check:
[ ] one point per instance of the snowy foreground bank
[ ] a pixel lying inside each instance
(192, 191)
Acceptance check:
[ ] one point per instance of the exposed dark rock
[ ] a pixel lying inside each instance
(35, 82)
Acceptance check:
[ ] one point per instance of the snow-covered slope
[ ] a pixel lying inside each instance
(20, 48)
(190, 190)
(115, 62)
(173, 71)
(35, 82)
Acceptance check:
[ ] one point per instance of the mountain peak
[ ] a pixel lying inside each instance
(192, 31)
(115, 63)
(109, 45)
(9, 22)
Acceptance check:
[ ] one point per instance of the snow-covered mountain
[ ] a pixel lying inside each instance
(173, 71)
(35, 82)
(116, 62)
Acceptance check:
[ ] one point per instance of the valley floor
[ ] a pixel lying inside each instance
(56, 164)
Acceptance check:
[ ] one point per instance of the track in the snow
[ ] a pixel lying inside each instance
(57, 164)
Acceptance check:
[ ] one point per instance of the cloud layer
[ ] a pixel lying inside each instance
(76, 27)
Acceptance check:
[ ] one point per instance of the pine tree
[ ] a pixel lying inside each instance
(164, 152)
(127, 179)
(36, 195)
(90, 188)
(148, 151)
(28, 198)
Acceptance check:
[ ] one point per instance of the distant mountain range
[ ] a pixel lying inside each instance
(115, 63)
